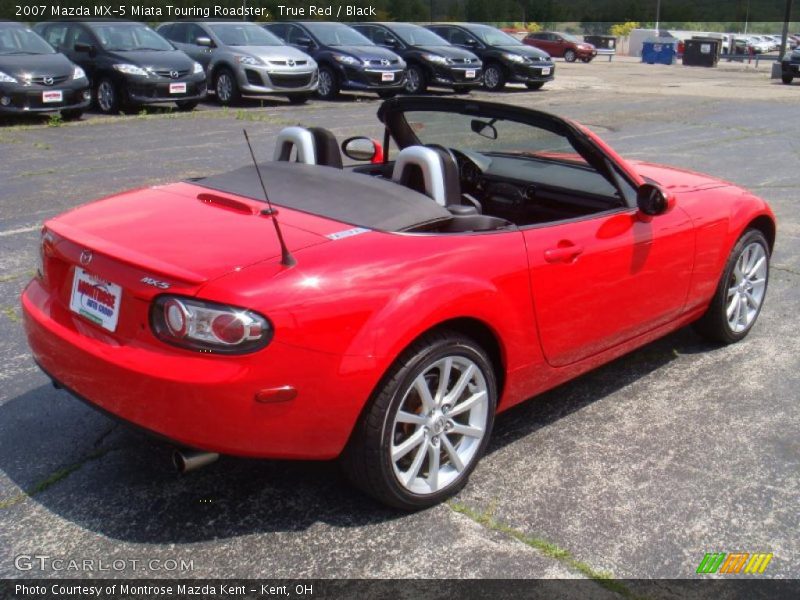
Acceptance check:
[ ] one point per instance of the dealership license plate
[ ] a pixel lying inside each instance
(95, 299)
(546, 71)
(177, 88)
(53, 96)
(470, 74)
(387, 77)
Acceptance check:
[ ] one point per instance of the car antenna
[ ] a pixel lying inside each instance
(287, 259)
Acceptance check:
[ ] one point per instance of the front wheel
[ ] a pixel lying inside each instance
(787, 78)
(226, 88)
(740, 294)
(427, 425)
(535, 85)
(570, 56)
(108, 97)
(494, 79)
(328, 87)
(416, 80)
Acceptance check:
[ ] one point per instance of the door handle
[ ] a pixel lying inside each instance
(564, 252)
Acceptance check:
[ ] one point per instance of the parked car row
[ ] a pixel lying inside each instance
(122, 65)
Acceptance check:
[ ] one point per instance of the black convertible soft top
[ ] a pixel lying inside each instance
(343, 195)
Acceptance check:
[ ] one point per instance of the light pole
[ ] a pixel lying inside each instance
(785, 33)
(658, 14)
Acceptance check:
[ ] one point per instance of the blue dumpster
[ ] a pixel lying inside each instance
(659, 51)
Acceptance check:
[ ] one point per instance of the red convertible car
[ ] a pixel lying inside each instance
(384, 312)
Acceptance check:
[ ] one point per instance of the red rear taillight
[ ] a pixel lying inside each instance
(45, 251)
(208, 326)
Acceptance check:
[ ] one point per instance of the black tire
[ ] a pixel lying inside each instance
(570, 56)
(330, 90)
(108, 96)
(72, 114)
(416, 80)
(462, 89)
(714, 325)
(587, 59)
(366, 460)
(298, 98)
(386, 94)
(535, 85)
(787, 78)
(494, 77)
(187, 105)
(226, 87)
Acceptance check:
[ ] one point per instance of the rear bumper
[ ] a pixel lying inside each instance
(203, 401)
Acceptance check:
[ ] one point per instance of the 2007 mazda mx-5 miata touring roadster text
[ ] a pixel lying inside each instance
(384, 312)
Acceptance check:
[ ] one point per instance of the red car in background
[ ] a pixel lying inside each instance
(384, 313)
(562, 45)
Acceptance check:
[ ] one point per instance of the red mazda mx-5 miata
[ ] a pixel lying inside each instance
(384, 313)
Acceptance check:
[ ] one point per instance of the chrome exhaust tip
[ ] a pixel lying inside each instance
(189, 460)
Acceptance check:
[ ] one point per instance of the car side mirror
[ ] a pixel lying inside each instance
(652, 200)
(303, 41)
(484, 129)
(204, 41)
(390, 41)
(87, 48)
(362, 148)
(470, 42)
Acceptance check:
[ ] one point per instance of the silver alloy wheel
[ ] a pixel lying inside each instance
(224, 87)
(325, 83)
(747, 287)
(439, 425)
(105, 96)
(412, 81)
(569, 56)
(491, 77)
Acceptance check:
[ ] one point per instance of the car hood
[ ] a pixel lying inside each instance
(36, 65)
(274, 53)
(180, 232)
(449, 52)
(528, 51)
(676, 180)
(366, 52)
(158, 59)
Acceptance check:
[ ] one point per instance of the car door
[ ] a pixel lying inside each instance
(544, 42)
(78, 34)
(202, 54)
(602, 280)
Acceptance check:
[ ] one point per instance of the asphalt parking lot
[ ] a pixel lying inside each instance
(635, 470)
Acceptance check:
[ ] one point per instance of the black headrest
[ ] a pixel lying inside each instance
(327, 148)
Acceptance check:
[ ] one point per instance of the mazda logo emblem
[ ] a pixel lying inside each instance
(48, 80)
(385, 62)
(86, 257)
(174, 74)
(290, 62)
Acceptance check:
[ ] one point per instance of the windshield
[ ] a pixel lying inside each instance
(414, 35)
(232, 34)
(571, 38)
(336, 34)
(126, 37)
(18, 40)
(494, 37)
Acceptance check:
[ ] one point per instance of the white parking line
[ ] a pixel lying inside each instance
(20, 230)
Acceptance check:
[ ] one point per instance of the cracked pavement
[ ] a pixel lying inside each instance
(636, 469)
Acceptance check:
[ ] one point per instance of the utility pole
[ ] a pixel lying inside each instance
(658, 14)
(785, 33)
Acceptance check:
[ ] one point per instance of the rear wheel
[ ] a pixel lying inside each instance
(298, 98)
(787, 78)
(416, 80)
(494, 79)
(569, 56)
(226, 88)
(429, 423)
(535, 85)
(740, 294)
(328, 87)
